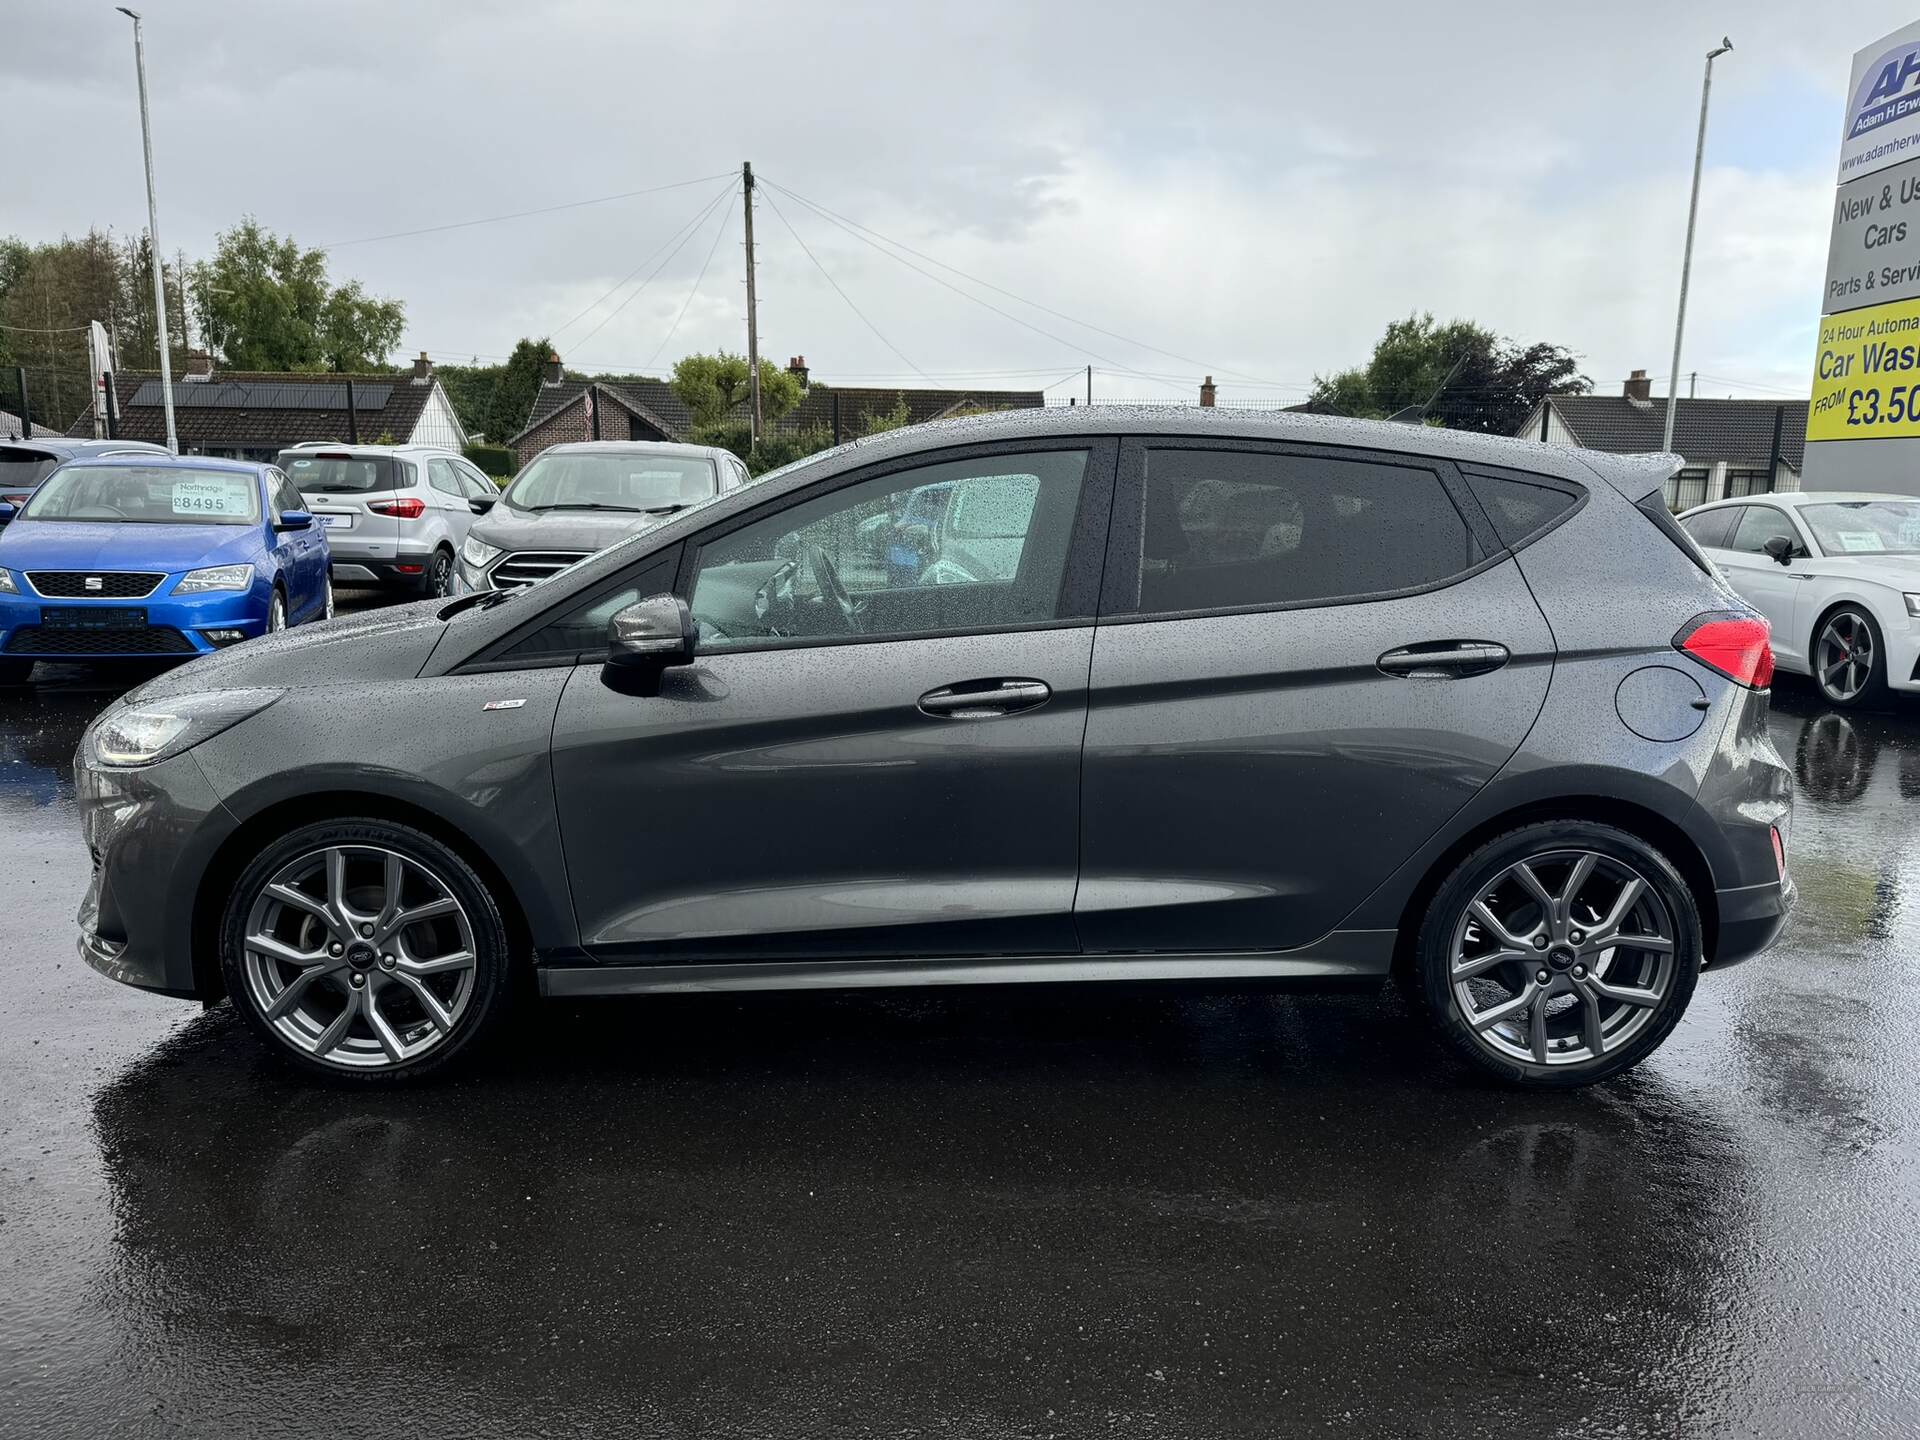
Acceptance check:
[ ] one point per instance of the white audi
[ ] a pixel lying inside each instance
(1837, 574)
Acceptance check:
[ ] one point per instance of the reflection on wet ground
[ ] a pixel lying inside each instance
(1027, 1212)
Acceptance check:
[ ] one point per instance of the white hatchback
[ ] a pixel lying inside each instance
(1837, 574)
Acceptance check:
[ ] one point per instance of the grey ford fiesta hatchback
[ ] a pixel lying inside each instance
(1154, 695)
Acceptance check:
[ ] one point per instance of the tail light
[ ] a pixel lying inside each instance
(1733, 644)
(407, 507)
(1779, 851)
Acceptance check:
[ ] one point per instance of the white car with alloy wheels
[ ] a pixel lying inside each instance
(1838, 576)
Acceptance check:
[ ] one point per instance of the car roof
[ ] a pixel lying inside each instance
(1797, 499)
(627, 447)
(70, 448)
(355, 447)
(185, 462)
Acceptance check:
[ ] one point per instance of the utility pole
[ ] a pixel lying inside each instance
(1686, 257)
(1089, 384)
(1693, 383)
(753, 306)
(153, 235)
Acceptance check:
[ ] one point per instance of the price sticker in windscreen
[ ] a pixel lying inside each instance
(212, 496)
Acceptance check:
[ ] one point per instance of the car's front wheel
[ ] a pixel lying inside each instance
(1849, 662)
(1560, 953)
(365, 950)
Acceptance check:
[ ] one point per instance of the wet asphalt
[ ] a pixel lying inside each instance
(1021, 1212)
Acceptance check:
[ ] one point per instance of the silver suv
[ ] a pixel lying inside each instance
(396, 515)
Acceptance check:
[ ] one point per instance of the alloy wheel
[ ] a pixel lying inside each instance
(326, 612)
(1843, 659)
(440, 581)
(276, 613)
(1563, 958)
(359, 956)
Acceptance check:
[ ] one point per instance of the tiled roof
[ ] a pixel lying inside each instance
(11, 427)
(657, 399)
(259, 414)
(1704, 431)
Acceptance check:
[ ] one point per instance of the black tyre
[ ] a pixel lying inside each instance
(366, 951)
(436, 582)
(1560, 953)
(15, 672)
(1849, 660)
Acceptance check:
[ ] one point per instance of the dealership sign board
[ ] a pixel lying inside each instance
(1863, 429)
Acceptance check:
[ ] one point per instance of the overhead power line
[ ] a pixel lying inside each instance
(694, 290)
(846, 221)
(520, 214)
(828, 277)
(690, 232)
(688, 225)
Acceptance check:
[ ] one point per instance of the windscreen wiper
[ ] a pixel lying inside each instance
(582, 505)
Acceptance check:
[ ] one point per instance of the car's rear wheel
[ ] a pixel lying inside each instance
(437, 582)
(1560, 953)
(365, 950)
(1849, 662)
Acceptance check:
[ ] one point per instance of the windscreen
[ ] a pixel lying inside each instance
(1865, 527)
(330, 474)
(22, 469)
(611, 481)
(147, 495)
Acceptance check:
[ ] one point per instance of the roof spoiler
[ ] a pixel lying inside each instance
(1634, 476)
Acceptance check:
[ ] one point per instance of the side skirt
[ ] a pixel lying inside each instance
(1344, 956)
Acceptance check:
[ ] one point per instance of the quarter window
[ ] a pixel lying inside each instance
(1227, 529)
(1711, 528)
(876, 558)
(440, 475)
(1519, 509)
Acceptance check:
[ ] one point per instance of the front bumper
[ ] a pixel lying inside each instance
(152, 831)
(177, 626)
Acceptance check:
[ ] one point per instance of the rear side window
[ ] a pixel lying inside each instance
(23, 469)
(319, 472)
(1710, 528)
(1760, 524)
(1519, 509)
(1224, 529)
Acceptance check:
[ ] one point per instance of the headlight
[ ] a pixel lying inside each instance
(215, 577)
(478, 553)
(140, 734)
(1913, 602)
(7, 587)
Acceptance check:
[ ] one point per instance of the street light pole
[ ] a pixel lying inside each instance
(153, 236)
(1686, 258)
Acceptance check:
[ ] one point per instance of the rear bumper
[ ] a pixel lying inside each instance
(407, 570)
(1751, 919)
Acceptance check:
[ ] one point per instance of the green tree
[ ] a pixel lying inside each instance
(878, 422)
(711, 385)
(266, 304)
(1459, 374)
(495, 400)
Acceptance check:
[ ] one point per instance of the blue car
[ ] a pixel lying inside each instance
(154, 557)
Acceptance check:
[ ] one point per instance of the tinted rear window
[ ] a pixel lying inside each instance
(1519, 509)
(339, 474)
(1230, 529)
(23, 469)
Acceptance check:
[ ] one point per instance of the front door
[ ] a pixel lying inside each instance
(1763, 582)
(864, 760)
(1305, 665)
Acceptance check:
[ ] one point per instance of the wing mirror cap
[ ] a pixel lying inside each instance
(7, 511)
(294, 520)
(481, 507)
(1781, 549)
(651, 634)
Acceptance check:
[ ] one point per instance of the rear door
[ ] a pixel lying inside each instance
(851, 768)
(1306, 662)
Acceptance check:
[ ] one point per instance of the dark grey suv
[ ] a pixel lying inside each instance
(1166, 695)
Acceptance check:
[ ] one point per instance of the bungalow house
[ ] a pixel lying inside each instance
(643, 409)
(254, 415)
(1729, 447)
(12, 427)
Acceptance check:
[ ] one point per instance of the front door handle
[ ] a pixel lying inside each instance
(984, 699)
(1444, 659)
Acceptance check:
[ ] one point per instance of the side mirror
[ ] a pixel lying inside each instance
(481, 507)
(1781, 549)
(7, 511)
(293, 520)
(650, 635)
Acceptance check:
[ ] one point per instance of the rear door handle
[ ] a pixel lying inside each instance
(984, 699)
(1444, 659)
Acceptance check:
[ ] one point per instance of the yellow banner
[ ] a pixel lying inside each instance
(1866, 381)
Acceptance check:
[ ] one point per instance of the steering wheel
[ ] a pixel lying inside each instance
(832, 588)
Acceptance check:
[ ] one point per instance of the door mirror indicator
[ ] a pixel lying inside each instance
(294, 520)
(650, 636)
(1780, 548)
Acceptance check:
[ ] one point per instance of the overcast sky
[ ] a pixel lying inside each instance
(1255, 188)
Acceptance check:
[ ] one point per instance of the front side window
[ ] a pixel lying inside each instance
(285, 496)
(1224, 529)
(644, 483)
(874, 559)
(1759, 524)
(147, 494)
(1865, 527)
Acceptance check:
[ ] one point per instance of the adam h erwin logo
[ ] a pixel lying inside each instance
(1890, 91)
